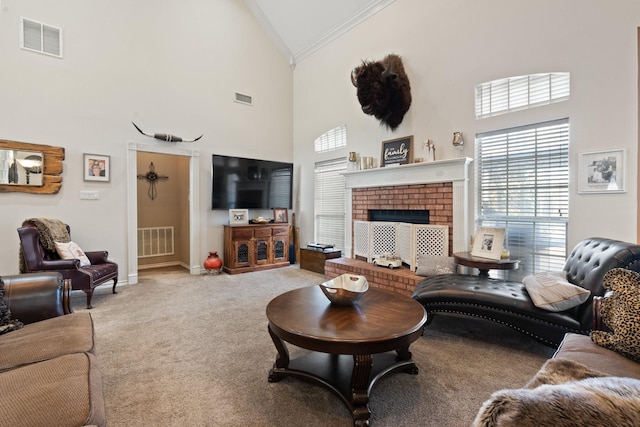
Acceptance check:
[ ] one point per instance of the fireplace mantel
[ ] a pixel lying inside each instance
(450, 170)
(455, 171)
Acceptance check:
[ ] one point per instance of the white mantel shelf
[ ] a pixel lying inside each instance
(450, 170)
(456, 171)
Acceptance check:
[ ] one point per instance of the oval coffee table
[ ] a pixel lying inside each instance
(351, 347)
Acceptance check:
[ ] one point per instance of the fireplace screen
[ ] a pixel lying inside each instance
(374, 238)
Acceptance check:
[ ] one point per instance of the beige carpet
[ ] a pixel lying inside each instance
(181, 350)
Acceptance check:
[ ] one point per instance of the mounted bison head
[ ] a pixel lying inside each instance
(383, 89)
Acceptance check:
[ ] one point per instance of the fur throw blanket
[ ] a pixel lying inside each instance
(587, 399)
(51, 231)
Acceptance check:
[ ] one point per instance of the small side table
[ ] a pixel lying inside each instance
(313, 260)
(485, 264)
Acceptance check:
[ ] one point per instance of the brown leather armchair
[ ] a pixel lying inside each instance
(33, 297)
(86, 279)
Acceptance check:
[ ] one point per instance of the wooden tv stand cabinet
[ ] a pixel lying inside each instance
(253, 247)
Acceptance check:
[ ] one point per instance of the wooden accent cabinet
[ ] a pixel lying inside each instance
(252, 247)
(313, 260)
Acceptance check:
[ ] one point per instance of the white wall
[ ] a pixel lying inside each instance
(449, 46)
(171, 67)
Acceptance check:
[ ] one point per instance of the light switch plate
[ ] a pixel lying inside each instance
(89, 195)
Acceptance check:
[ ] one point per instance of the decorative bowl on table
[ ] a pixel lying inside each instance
(260, 220)
(345, 290)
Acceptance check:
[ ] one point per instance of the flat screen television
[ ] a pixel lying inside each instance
(242, 183)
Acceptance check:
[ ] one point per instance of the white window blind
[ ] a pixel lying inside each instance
(329, 219)
(522, 176)
(332, 139)
(39, 37)
(518, 93)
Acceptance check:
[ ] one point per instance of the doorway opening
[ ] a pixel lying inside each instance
(184, 165)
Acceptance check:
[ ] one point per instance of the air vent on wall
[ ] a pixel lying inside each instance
(38, 37)
(243, 99)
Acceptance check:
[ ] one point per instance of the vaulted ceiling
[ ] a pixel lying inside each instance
(300, 27)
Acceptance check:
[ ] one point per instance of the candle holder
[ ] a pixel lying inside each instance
(458, 142)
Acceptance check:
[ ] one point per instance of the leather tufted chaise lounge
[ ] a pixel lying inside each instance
(508, 302)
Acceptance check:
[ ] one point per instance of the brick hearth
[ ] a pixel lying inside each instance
(399, 280)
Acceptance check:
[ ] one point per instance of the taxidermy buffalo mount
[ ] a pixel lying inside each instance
(383, 89)
(165, 136)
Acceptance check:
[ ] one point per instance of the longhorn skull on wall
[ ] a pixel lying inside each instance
(165, 136)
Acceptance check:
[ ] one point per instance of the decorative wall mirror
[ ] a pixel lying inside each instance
(21, 167)
(30, 168)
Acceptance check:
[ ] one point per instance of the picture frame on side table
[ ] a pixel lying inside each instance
(488, 243)
(603, 171)
(238, 216)
(280, 215)
(97, 167)
(397, 152)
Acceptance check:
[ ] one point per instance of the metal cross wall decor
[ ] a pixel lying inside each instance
(152, 177)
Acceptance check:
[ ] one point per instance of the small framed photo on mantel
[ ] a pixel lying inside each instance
(488, 243)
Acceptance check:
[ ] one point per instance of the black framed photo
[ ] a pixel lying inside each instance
(397, 151)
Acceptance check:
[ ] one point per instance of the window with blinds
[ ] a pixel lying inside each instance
(331, 140)
(38, 37)
(522, 178)
(329, 211)
(518, 93)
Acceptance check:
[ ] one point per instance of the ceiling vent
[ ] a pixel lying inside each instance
(42, 38)
(243, 99)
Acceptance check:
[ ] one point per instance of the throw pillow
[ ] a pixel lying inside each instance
(551, 291)
(70, 250)
(434, 265)
(620, 311)
(7, 324)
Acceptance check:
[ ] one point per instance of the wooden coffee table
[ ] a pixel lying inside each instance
(351, 347)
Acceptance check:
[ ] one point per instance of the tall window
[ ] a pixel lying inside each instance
(329, 220)
(522, 177)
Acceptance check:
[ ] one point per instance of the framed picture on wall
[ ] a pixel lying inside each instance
(603, 171)
(488, 243)
(397, 152)
(97, 167)
(280, 215)
(238, 216)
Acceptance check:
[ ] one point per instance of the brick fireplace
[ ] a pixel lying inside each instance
(436, 198)
(441, 187)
